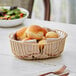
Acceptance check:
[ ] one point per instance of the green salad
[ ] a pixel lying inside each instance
(11, 13)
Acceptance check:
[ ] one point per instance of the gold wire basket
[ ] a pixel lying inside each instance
(30, 50)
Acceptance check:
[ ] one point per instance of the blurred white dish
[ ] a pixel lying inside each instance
(14, 22)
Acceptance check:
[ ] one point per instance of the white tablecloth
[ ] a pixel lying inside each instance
(11, 66)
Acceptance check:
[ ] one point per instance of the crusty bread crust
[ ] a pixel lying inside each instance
(20, 34)
(35, 32)
(34, 29)
(52, 35)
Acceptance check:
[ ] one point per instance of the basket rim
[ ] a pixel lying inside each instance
(54, 39)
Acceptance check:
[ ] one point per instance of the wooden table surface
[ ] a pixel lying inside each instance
(11, 66)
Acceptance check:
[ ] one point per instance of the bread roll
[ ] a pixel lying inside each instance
(35, 32)
(25, 39)
(20, 34)
(45, 31)
(41, 44)
(51, 35)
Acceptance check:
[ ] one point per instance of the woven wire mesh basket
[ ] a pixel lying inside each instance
(30, 50)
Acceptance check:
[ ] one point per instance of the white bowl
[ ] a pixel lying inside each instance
(14, 22)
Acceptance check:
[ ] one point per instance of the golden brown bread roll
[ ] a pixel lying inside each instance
(52, 34)
(44, 30)
(35, 32)
(20, 34)
(25, 39)
(41, 44)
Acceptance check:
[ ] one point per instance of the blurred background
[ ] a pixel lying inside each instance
(51, 10)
